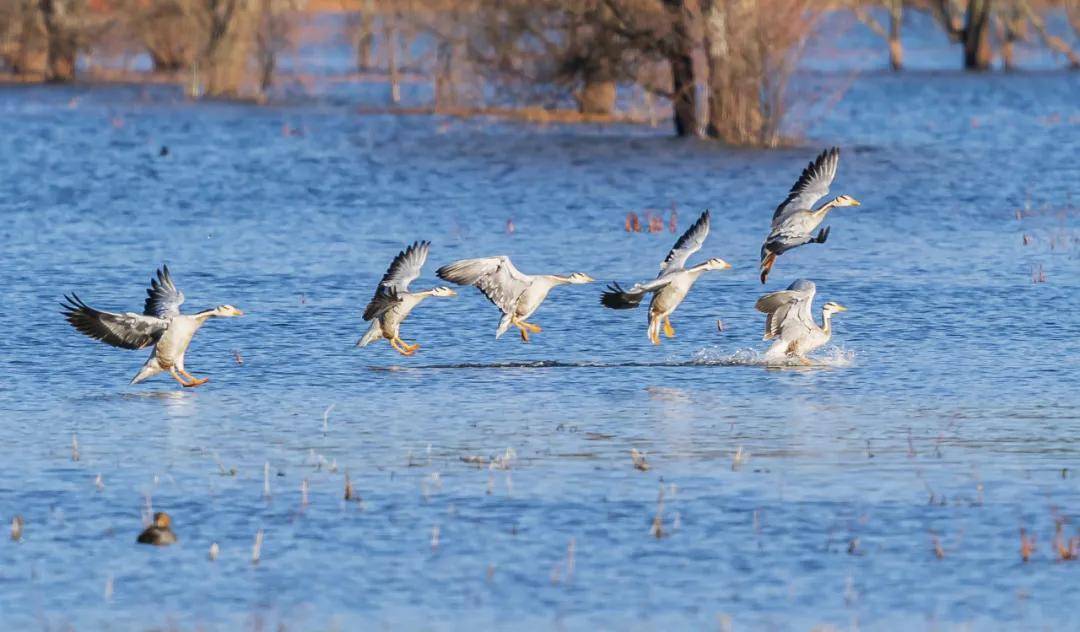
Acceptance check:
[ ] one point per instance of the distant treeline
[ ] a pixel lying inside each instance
(723, 65)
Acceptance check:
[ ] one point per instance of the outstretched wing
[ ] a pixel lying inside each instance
(618, 298)
(787, 312)
(811, 186)
(163, 299)
(127, 331)
(384, 299)
(690, 242)
(405, 267)
(496, 277)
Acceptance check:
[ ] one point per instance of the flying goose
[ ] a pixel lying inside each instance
(393, 301)
(795, 220)
(161, 325)
(516, 294)
(670, 287)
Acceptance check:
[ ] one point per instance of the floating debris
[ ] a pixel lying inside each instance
(474, 460)
(99, 483)
(74, 447)
(214, 550)
(239, 359)
(639, 460)
(304, 493)
(434, 537)
(16, 528)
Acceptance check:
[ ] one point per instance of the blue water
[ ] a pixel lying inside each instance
(944, 407)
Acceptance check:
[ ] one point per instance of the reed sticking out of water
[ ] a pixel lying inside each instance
(303, 493)
(214, 550)
(256, 550)
(16, 528)
(739, 458)
(434, 538)
(99, 483)
(74, 447)
(266, 480)
(939, 552)
(349, 494)
(1038, 275)
(1066, 549)
(1027, 545)
(326, 419)
(639, 460)
(567, 564)
(657, 529)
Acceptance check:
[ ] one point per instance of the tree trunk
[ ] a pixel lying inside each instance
(229, 52)
(896, 46)
(978, 52)
(365, 36)
(680, 56)
(61, 43)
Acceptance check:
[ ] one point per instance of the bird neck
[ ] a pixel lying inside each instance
(555, 279)
(826, 207)
(826, 322)
(698, 269)
(202, 316)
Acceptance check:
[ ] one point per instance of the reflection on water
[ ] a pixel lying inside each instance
(944, 408)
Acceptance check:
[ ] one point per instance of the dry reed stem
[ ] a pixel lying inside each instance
(17, 528)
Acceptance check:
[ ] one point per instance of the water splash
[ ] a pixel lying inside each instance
(831, 357)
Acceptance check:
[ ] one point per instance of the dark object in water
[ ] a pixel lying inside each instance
(164, 150)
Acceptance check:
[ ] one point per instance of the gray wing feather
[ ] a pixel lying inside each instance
(163, 299)
(405, 267)
(811, 186)
(495, 277)
(127, 331)
(689, 243)
(787, 309)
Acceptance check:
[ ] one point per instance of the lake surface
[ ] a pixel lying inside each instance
(945, 406)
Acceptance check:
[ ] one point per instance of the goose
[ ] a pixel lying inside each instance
(789, 322)
(795, 220)
(516, 294)
(669, 288)
(393, 301)
(161, 325)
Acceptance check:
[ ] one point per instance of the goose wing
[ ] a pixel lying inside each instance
(787, 312)
(405, 267)
(811, 186)
(618, 298)
(403, 270)
(127, 331)
(496, 277)
(690, 242)
(385, 298)
(163, 299)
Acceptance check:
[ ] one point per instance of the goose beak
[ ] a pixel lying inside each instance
(855, 202)
(841, 308)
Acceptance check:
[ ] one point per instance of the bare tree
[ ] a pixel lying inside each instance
(168, 30)
(972, 30)
(892, 33)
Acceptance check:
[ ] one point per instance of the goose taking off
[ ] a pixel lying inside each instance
(795, 220)
(393, 301)
(518, 295)
(161, 325)
(788, 320)
(670, 287)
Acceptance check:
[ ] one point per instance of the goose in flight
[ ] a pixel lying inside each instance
(161, 325)
(393, 301)
(670, 287)
(516, 294)
(789, 322)
(795, 220)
